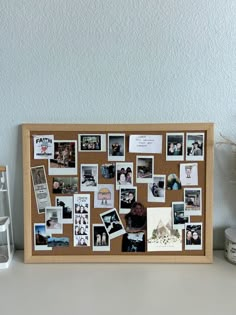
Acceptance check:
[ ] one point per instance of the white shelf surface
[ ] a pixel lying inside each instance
(4, 222)
(118, 288)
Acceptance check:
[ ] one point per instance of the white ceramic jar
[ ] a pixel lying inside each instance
(230, 245)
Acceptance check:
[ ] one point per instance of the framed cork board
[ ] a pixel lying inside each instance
(131, 193)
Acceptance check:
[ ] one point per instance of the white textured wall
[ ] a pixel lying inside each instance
(114, 61)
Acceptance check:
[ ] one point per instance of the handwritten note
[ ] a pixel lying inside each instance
(145, 144)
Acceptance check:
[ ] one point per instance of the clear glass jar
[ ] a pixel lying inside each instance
(230, 245)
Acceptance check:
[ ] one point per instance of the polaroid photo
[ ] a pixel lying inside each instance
(101, 240)
(3, 181)
(40, 185)
(104, 196)
(193, 236)
(189, 174)
(65, 185)
(144, 168)
(92, 142)
(179, 218)
(195, 146)
(66, 202)
(40, 237)
(116, 147)
(58, 242)
(53, 220)
(108, 170)
(124, 174)
(173, 182)
(128, 196)
(193, 201)
(43, 146)
(88, 177)
(160, 233)
(112, 223)
(81, 241)
(175, 146)
(136, 219)
(151, 144)
(133, 242)
(64, 161)
(157, 189)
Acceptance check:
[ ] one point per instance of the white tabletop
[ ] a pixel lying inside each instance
(118, 288)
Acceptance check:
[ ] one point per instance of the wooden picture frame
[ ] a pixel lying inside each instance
(71, 131)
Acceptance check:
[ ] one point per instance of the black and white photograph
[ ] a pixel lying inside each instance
(193, 236)
(116, 147)
(157, 189)
(193, 201)
(81, 241)
(40, 237)
(133, 242)
(108, 170)
(112, 223)
(3, 181)
(124, 174)
(66, 202)
(189, 174)
(160, 233)
(81, 229)
(88, 177)
(81, 220)
(128, 196)
(101, 241)
(58, 242)
(43, 147)
(65, 185)
(53, 220)
(92, 142)
(179, 218)
(175, 146)
(195, 147)
(64, 161)
(173, 182)
(144, 168)
(104, 196)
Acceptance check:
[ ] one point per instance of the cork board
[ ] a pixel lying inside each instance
(143, 215)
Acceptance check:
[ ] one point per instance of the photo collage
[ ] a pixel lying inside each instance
(145, 190)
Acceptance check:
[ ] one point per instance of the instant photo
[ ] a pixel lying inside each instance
(108, 171)
(124, 174)
(195, 147)
(66, 202)
(92, 142)
(43, 147)
(40, 237)
(144, 169)
(101, 241)
(193, 201)
(133, 242)
(173, 182)
(136, 219)
(128, 196)
(116, 147)
(193, 236)
(65, 185)
(156, 189)
(189, 174)
(88, 177)
(179, 218)
(53, 220)
(112, 223)
(160, 233)
(58, 242)
(174, 146)
(64, 161)
(104, 196)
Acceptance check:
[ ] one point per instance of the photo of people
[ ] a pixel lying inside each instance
(193, 236)
(81, 241)
(92, 142)
(112, 223)
(124, 174)
(81, 229)
(189, 174)
(136, 218)
(174, 146)
(65, 185)
(195, 147)
(53, 220)
(101, 241)
(133, 242)
(104, 196)
(88, 177)
(65, 158)
(128, 196)
(116, 147)
(173, 182)
(40, 237)
(81, 220)
(193, 201)
(157, 188)
(108, 170)
(144, 169)
(66, 202)
(179, 218)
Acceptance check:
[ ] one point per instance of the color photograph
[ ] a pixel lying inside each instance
(92, 142)
(195, 147)
(157, 189)
(144, 169)
(175, 146)
(116, 147)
